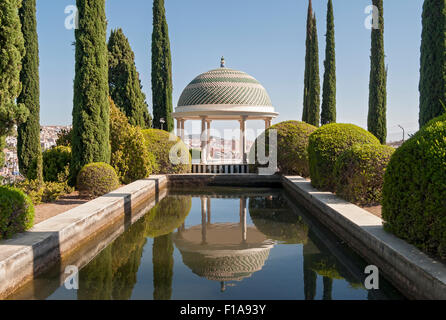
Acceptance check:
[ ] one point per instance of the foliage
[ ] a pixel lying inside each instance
(161, 144)
(97, 179)
(311, 110)
(328, 114)
(162, 267)
(124, 83)
(55, 162)
(433, 61)
(130, 158)
(168, 215)
(16, 212)
(91, 126)
(377, 120)
(64, 138)
(161, 69)
(414, 192)
(12, 50)
(359, 173)
(325, 146)
(45, 192)
(28, 139)
(292, 143)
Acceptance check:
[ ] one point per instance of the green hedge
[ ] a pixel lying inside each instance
(97, 179)
(130, 158)
(414, 192)
(55, 162)
(325, 146)
(292, 144)
(158, 142)
(359, 173)
(16, 212)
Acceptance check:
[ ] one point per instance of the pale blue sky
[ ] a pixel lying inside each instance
(263, 38)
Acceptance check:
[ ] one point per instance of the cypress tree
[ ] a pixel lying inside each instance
(28, 140)
(161, 69)
(91, 110)
(124, 83)
(328, 114)
(377, 122)
(307, 61)
(314, 98)
(12, 51)
(433, 61)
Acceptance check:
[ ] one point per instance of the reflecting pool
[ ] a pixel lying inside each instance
(219, 243)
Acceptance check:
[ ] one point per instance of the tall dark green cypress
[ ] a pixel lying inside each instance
(91, 110)
(161, 69)
(314, 99)
(433, 61)
(12, 51)
(28, 140)
(328, 114)
(377, 122)
(124, 83)
(307, 61)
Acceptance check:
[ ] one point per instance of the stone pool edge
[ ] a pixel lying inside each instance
(406, 267)
(28, 254)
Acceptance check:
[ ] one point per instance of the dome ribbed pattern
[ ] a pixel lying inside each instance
(224, 86)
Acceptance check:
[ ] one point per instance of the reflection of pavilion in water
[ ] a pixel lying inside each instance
(223, 252)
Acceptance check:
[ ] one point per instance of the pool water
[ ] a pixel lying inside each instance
(222, 243)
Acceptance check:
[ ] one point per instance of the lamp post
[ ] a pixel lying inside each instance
(162, 121)
(404, 132)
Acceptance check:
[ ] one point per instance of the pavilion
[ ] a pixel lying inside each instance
(223, 94)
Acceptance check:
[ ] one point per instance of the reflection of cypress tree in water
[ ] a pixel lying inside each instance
(162, 267)
(310, 279)
(95, 280)
(273, 217)
(167, 215)
(328, 288)
(318, 260)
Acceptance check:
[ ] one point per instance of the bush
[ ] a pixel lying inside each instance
(325, 146)
(64, 138)
(414, 192)
(56, 161)
(44, 192)
(16, 212)
(359, 173)
(160, 143)
(130, 158)
(97, 179)
(292, 143)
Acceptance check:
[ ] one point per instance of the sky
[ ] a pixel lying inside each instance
(264, 38)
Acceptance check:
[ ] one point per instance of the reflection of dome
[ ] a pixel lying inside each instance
(224, 256)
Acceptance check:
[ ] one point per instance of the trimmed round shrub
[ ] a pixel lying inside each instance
(55, 162)
(325, 146)
(164, 146)
(129, 156)
(97, 179)
(359, 173)
(414, 192)
(292, 144)
(16, 212)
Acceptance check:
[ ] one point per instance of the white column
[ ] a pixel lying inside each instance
(267, 123)
(182, 129)
(243, 139)
(178, 127)
(208, 139)
(203, 143)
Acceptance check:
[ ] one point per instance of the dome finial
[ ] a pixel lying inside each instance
(222, 62)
